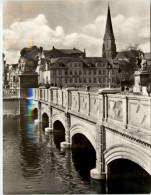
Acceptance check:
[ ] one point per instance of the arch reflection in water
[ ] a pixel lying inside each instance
(30, 155)
(58, 133)
(45, 121)
(83, 155)
(125, 176)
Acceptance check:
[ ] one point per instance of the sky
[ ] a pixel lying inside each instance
(73, 24)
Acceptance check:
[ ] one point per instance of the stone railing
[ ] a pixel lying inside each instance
(10, 93)
(128, 111)
(19, 93)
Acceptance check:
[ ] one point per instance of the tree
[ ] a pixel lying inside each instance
(129, 62)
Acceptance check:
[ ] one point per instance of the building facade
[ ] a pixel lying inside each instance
(71, 67)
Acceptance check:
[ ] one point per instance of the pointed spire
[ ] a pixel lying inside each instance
(109, 29)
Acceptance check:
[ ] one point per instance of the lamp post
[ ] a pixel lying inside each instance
(109, 77)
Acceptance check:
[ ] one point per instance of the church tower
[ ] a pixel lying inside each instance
(109, 46)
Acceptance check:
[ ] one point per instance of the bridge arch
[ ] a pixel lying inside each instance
(34, 113)
(59, 118)
(45, 112)
(81, 129)
(128, 152)
(45, 120)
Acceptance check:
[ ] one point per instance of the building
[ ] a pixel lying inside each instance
(71, 67)
(13, 76)
(5, 73)
(93, 71)
(55, 53)
(109, 46)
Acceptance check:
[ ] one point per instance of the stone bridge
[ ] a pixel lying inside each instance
(118, 126)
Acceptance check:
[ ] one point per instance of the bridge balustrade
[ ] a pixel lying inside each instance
(139, 113)
(10, 93)
(130, 111)
(64, 98)
(133, 112)
(60, 97)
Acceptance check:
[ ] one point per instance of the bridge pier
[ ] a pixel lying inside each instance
(99, 172)
(39, 113)
(67, 143)
(49, 129)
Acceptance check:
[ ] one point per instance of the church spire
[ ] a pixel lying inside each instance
(109, 29)
(109, 46)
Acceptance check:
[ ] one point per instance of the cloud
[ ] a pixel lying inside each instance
(36, 31)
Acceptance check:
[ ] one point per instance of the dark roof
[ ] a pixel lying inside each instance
(55, 53)
(127, 54)
(87, 62)
(109, 29)
(71, 51)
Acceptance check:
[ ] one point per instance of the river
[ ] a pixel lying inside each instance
(34, 163)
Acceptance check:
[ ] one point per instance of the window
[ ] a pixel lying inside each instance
(60, 80)
(94, 72)
(66, 80)
(75, 72)
(60, 72)
(89, 80)
(89, 72)
(84, 80)
(103, 72)
(75, 80)
(70, 72)
(84, 72)
(79, 72)
(100, 72)
(70, 80)
(94, 80)
(54, 72)
(66, 72)
(80, 80)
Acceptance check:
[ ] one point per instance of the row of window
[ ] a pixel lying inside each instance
(80, 64)
(85, 72)
(84, 80)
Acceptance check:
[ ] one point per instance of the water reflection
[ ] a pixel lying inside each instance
(35, 164)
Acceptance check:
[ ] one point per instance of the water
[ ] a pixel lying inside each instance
(35, 164)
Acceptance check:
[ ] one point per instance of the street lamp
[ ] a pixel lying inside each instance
(109, 67)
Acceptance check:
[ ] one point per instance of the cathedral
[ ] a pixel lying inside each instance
(71, 67)
(109, 46)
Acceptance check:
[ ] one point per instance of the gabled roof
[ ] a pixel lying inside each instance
(87, 62)
(55, 53)
(127, 54)
(71, 51)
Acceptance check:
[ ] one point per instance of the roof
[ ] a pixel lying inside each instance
(127, 54)
(70, 51)
(87, 62)
(61, 52)
(109, 29)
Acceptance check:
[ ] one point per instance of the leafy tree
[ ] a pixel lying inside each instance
(128, 66)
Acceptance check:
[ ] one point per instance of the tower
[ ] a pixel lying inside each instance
(109, 46)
